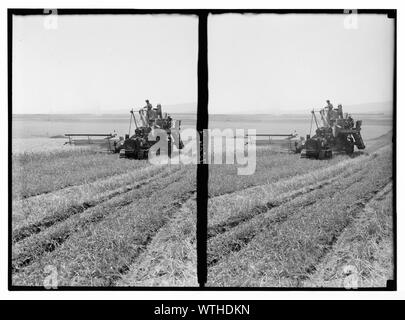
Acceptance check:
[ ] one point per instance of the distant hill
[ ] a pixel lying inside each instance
(181, 108)
(189, 107)
(376, 108)
(385, 108)
(370, 108)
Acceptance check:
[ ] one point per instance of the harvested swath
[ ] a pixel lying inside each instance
(36, 213)
(100, 252)
(170, 259)
(241, 235)
(245, 203)
(272, 166)
(249, 212)
(287, 253)
(28, 250)
(363, 254)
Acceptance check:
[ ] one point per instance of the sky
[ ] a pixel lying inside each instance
(99, 64)
(265, 63)
(273, 63)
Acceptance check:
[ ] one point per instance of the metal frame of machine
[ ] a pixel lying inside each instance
(337, 133)
(137, 146)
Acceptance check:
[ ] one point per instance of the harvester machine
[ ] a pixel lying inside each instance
(336, 132)
(137, 146)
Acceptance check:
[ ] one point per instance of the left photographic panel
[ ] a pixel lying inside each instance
(103, 181)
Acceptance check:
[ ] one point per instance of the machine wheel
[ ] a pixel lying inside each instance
(350, 149)
(322, 154)
(142, 154)
(325, 154)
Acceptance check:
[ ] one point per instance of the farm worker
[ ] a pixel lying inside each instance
(350, 122)
(340, 111)
(329, 108)
(149, 112)
(169, 121)
(159, 111)
(148, 105)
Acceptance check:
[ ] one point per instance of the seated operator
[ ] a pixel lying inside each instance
(329, 108)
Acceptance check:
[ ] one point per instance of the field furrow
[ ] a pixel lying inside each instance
(283, 246)
(236, 239)
(43, 211)
(99, 252)
(362, 255)
(277, 201)
(98, 220)
(170, 259)
(33, 247)
(229, 210)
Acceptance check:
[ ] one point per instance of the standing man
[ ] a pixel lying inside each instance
(149, 112)
(329, 108)
(329, 105)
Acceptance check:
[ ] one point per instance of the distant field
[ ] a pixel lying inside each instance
(48, 125)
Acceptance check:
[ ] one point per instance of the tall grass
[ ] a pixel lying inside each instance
(100, 244)
(170, 259)
(35, 213)
(272, 166)
(284, 246)
(37, 173)
(363, 254)
(241, 203)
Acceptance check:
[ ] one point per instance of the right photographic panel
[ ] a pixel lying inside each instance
(300, 152)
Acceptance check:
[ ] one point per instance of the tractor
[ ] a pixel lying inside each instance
(336, 133)
(137, 146)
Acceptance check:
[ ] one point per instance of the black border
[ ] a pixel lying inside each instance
(202, 168)
(202, 123)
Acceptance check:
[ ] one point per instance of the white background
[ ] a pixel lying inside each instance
(5, 294)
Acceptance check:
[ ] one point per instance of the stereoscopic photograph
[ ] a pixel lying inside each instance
(93, 95)
(309, 202)
(117, 181)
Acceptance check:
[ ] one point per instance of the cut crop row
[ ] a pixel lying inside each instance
(37, 213)
(239, 206)
(288, 251)
(170, 259)
(100, 252)
(28, 250)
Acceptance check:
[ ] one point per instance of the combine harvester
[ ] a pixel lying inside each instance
(336, 133)
(137, 146)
